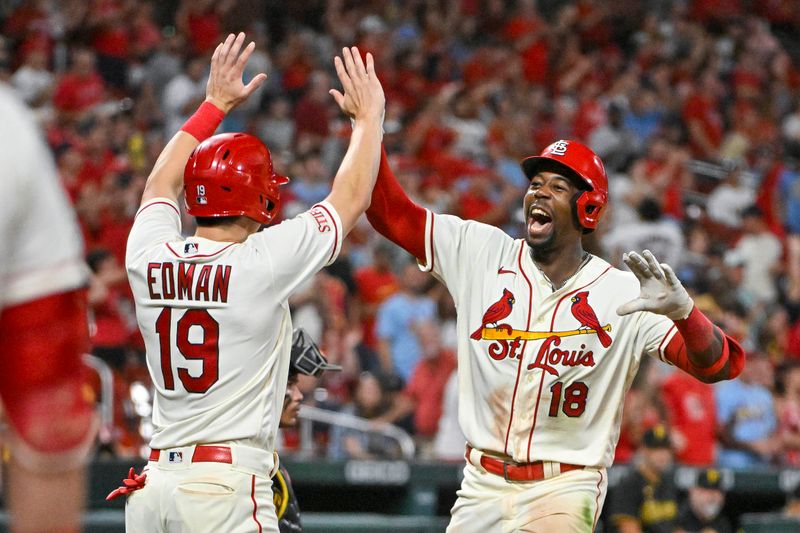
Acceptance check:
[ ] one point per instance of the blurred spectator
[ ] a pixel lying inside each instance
(184, 92)
(643, 119)
(108, 327)
(761, 252)
(746, 417)
(792, 507)
(646, 499)
(33, 81)
(369, 401)
(423, 395)
(789, 187)
(640, 412)
(374, 284)
(201, 22)
(165, 63)
(651, 232)
(312, 114)
(613, 141)
(788, 406)
(81, 88)
(398, 347)
(730, 198)
(701, 112)
(661, 174)
(311, 180)
(702, 513)
(448, 445)
(691, 415)
(276, 128)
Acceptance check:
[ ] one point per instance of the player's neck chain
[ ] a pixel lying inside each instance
(584, 259)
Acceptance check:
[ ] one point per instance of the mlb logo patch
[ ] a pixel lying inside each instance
(190, 248)
(175, 457)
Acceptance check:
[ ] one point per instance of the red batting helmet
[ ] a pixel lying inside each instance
(231, 174)
(587, 165)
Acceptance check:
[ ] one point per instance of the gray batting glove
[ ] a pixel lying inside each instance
(661, 290)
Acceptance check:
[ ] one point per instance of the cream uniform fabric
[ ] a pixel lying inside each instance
(216, 323)
(542, 386)
(40, 245)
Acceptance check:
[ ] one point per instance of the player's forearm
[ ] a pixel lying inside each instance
(166, 179)
(394, 215)
(355, 179)
(703, 350)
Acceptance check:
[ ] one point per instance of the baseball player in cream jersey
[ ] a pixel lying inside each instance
(213, 308)
(550, 338)
(43, 332)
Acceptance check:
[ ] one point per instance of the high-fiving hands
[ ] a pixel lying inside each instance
(661, 290)
(225, 88)
(363, 95)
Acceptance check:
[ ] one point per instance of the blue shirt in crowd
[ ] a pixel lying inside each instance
(750, 409)
(394, 322)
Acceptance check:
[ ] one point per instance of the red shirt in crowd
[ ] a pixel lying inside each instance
(704, 110)
(311, 117)
(77, 93)
(426, 390)
(110, 329)
(373, 288)
(691, 411)
(671, 197)
(204, 31)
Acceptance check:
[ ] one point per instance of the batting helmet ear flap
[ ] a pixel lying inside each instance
(589, 207)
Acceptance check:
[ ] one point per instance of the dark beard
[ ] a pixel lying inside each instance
(543, 252)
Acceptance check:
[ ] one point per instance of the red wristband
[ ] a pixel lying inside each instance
(204, 122)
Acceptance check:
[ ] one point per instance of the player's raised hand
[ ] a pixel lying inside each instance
(363, 95)
(661, 290)
(225, 88)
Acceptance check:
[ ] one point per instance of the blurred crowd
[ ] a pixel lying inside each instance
(692, 104)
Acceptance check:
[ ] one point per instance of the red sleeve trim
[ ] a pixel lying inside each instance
(335, 233)
(661, 347)
(157, 203)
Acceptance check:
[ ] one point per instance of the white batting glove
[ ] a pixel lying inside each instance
(661, 290)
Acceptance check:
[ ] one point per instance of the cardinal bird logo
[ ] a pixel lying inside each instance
(588, 319)
(497, 312)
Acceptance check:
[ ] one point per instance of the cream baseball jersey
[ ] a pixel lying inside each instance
(215, 321)
(40, 245)
(542, 373)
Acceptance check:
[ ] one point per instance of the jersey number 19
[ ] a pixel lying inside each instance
(206, 351)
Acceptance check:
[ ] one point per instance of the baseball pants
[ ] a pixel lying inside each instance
(568, 502)
(203, 497)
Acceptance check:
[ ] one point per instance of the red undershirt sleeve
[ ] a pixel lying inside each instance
(394, 215)
(698, 335)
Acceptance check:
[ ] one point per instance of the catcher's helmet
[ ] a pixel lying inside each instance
(306, 357)
(579, 159)
(231, 174)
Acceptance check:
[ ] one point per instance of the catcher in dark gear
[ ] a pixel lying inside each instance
(306, 359)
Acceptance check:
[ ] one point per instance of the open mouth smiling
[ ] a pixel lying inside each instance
(539, 220)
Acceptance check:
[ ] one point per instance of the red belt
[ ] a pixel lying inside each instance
(518, 471)
(204, 454)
